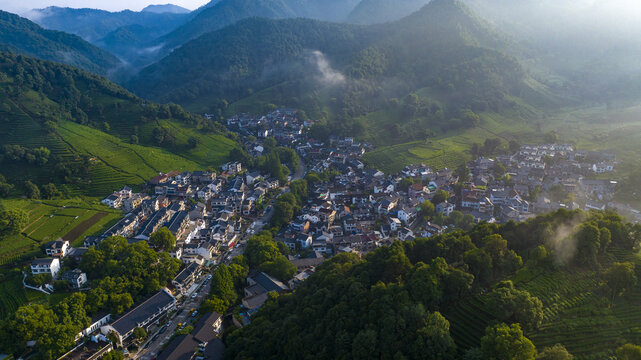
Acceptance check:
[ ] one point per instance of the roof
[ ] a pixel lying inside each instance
(214, 350)
(269, 283)
(176, 221)
(142, 312)
(186, 272)
(181, 348)
(255, 301)
(42, 262)
(72, 274)
(204, 328)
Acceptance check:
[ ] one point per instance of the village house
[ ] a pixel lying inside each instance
(45, 266)
(186, 278)
(75, 277)
(58, 248)
(143, 315)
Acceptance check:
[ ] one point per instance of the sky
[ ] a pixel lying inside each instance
(21, 6)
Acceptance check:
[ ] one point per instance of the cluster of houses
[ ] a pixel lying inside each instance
(533, 173)
(284, 125)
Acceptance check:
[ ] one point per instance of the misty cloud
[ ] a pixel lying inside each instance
(151, 49)
(328, 76)
(563, 241)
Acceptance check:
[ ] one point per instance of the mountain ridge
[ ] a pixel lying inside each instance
(23, 36)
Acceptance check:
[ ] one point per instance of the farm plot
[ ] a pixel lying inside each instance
(51, 220)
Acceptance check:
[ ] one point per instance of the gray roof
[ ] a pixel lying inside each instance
(142, 312)
(269, 283)
(42, 261)
(186, 272)
(182, 347)
(204, 329)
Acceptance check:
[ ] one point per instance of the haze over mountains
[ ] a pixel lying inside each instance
(22, 36)
(487, 55)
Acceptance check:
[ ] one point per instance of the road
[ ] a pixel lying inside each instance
(154, 344)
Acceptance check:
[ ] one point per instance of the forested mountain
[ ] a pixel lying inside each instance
(125, 33)
(22, 36)
(227, 12)
(90, 134)
(166, 8)
(444, 47)
(380, 11)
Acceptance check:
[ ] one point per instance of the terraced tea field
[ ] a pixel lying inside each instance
(577, 313)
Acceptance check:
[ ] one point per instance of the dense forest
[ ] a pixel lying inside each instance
(394, 303)
(22, 36)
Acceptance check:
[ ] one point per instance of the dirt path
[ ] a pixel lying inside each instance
(83, 226)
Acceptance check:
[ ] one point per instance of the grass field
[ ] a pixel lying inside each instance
(577, 313)
(49, 220)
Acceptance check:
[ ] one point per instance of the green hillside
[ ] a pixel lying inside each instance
(408, 80)
(22, 36)
(100, 137)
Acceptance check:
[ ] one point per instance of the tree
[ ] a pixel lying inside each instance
(283, 210)
(222, 284)
(261, 249)
(281, 268)
(556, 352)
(620, 278)
(498, 170)
(163, 239)
(214, 304)
(587, 238)
(31, 190)
(510, 304)
(503, 342)
(463, 173)
(405, 183)
(470, 119)
(50, 191)
(139, 333)
(193, 142)
(12, 221)
(551, 137)
(440, 196)
(427, 209)
(134, 139)
(514, 146)
(629, 352)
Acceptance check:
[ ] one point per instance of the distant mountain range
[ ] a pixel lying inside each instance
(22, 36)
(125, 33)
(444, 46)
(167, 8)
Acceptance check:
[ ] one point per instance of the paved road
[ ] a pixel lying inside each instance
(151, 349)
